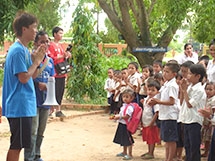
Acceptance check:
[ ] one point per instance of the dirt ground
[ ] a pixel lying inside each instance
(86, 138)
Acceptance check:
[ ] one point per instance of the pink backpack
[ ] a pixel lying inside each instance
(135, 118)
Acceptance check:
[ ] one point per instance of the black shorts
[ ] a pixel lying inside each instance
(169, 132)
(20, 129)
(180, 128)
(59, 89)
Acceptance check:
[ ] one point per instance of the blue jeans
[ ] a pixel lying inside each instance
(192, 141)
(38, 128)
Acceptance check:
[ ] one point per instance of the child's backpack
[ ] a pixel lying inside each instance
(132, 125)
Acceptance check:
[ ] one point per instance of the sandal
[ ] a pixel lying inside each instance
(143, 155)
(126, 157)
(120, 155)
(148, 156)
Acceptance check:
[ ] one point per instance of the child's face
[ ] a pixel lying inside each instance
(43, 39)
(212, 51)
(131, 69)
(168, 74)
(178, 80)
(193, 78)
(124, 74)
(127, 98)
(203, 63)
(156, 68)
(110, 73)
(184, 71)
(152, 91)
(189, 50)
(210, 90)
(145, 73)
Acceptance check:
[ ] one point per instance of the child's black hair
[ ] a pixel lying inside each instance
(209, 83)
(174, 67)
(204, 58)
(129, 91)
(158, 62)
(135, 64)
(111, 69)
(186, 45)
(179, 75)
(150, 69)
(198, 69)
(187, 64)
(39, 33)
(155, 84)
(212, 43)
(117, 72)
(124, 69)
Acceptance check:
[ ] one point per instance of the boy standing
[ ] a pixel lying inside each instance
(109, 84)
(19, 99)
(168, 112)
(194, 98)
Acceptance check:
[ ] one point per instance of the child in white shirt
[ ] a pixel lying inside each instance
(109, 84)
(193, 99)
(168, 112)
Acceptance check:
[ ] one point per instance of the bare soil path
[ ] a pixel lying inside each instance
(86, 138)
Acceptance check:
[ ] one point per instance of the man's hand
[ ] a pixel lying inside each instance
(38, 55)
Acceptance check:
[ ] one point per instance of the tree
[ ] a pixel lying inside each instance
(147, 23)
(83, 79)
(47, 12)
(8, 10)
(204, 21)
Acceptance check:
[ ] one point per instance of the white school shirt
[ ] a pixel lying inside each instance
(169, 89)
(183, 58)
(211, 71)
(147, 115)
(109, 84)
(133, 79)
(129, 112)
(197, 98)
(115, 86)
(123, 88)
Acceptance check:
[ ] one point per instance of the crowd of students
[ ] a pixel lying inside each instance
(178, 102)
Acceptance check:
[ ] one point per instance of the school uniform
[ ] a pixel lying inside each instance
(211, 71)
(149, 134)
(169, 114)
(109, 85)
(123, 136)
(193, 121)
(133, 79)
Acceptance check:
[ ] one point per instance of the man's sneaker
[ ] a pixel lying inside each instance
(59, 114)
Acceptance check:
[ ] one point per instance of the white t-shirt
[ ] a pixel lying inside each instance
(147, 115)
(117, 84)
(197, 98)
(169, 89)
(109, 85)
(211, 71)
(133, 79)
(183, 58)
(129, 112)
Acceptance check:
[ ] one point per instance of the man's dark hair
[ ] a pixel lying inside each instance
(187, 64)
(158, 62)
(40, 33)
(155, 84)
(56, 30)
(23, 19)
(198, 69)
(174, 67)
(150, 69)
(135, 64)
(186, 45)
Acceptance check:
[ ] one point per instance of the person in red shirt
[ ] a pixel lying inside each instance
(57, 53)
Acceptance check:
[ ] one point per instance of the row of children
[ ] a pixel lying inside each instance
(174, 94)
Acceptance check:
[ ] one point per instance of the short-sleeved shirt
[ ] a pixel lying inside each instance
(210, 102)
(169, 89)
(133, 79)
(43, 77)
(54, 51)
(128, 112)
(197, 98)
(183, 58)
(148, 115)
(211, 71)
(18, 99)
(108, 85)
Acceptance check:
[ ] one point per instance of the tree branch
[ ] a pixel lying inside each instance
(151, 7)
(113, 6)
(144, 28)
(130, 35)
(111, 15)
